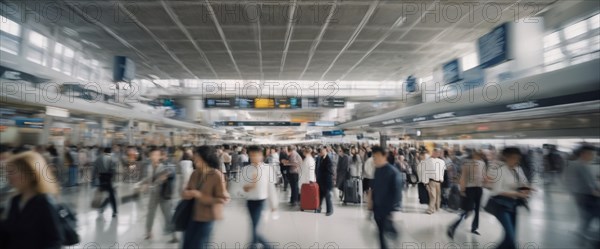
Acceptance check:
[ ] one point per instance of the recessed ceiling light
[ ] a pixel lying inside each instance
(70, 32)
(89, 43)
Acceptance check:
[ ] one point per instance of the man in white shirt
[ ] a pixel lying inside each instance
(258, 188)
(431, 173)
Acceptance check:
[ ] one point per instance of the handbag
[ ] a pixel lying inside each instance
(183, 214)
(184, 211)
(98, 198)
(67, 219)
(498, 204)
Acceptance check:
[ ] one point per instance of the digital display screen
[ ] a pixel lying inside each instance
(333, 102)
(333, 133)
(288, 103)
(264, 103)
(244, 103)
(312, 103)
(219, 103)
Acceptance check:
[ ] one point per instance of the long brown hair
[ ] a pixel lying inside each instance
(33, 165)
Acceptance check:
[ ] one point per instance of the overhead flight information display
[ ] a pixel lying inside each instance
(219, 103)
(274, 103)
(264, 103)
(256, 123)
(333, 102)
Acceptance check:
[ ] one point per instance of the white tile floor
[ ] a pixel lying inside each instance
(550, 224)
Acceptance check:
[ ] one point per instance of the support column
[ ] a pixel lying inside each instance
(130, 129)
(383, 140)
(75, 134)
(192, 108)
(101, 134)
(45, 138)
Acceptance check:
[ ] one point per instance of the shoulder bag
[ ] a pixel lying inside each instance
(185, 210)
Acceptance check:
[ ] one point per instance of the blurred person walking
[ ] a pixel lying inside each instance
(510, 189)
(471, 184)
(186, 167)
(106, 167)
(553, 165)
(160, 183)
(32, 220)
(385, 194)
(259, 188)
(579, 178)
(207, 187)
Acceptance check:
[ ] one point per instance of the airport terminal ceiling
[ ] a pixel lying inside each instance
(256, 40)
(367, 49)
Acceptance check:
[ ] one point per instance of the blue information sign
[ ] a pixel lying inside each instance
(493, 47)
(452, 71)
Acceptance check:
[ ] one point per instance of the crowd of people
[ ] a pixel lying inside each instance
(445, 178)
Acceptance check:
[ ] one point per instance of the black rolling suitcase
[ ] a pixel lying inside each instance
(423, 193)
(352, 191)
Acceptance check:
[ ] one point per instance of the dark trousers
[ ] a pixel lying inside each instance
(294, 178)
(325, 193)
(197, 235)
(508, 220)
(385, 225)
(284, 176)
(472, 202)
(366, 185)
(589, 209)
(255, 208)
(106, 185)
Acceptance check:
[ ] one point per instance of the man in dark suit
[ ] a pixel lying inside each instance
(343, 166)
(325, 180)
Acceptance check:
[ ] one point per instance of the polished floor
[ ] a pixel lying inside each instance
(551, 223)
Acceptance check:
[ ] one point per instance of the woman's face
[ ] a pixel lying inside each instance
(513, 160)
(17, 179)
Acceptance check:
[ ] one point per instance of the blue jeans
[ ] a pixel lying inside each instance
(255, 208)
(197, 235)
(73, 172)
(508, 220)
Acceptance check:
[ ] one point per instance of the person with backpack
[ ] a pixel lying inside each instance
(105, 166)
(33, 220)
(160, 182)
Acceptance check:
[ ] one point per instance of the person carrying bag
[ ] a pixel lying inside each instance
(509, 190)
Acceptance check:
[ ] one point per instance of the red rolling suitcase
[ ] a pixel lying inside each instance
(309, 197)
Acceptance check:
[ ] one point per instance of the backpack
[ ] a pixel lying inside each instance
(67, 219)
